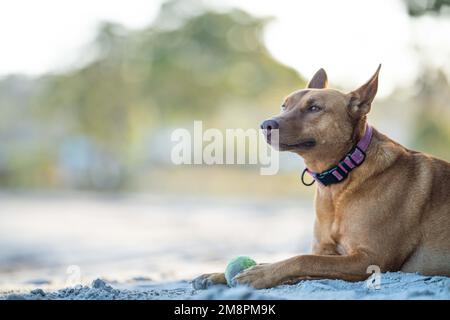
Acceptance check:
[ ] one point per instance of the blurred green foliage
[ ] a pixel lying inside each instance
(106, 124)
(90, 127)
(420, 7)
(432, 93)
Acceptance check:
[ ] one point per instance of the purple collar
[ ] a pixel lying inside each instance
(351, 160)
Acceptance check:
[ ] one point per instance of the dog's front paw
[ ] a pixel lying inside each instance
(207, 280)
(259, 277)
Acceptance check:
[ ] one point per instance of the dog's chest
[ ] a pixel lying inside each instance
(330, 225)
(331, 218)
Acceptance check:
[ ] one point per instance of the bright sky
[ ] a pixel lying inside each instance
(348, 38)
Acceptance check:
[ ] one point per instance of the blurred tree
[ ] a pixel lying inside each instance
(157, 75)
(421, 7)
(432, 94)
(191, 63)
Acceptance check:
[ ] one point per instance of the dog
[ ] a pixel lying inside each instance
(377, 203)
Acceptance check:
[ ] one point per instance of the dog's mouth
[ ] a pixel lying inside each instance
(304, 144)
(301, 145)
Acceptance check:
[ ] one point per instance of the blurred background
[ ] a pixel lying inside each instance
(90, 93)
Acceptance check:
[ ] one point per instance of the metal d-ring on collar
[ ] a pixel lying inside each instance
(303, 179)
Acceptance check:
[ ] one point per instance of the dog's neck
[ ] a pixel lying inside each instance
(322, 162)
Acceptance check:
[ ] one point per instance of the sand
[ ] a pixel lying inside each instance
(150, 247)
(395, 285)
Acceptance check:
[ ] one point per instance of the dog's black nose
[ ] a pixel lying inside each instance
(269, 125)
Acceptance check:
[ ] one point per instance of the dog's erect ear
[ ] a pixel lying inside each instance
(361, 99)
(319, 80)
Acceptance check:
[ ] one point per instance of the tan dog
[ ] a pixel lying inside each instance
(392, 211)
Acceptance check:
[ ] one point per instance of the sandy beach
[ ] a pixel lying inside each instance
(82, 246)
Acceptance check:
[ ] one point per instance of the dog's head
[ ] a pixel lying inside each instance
(318, 120)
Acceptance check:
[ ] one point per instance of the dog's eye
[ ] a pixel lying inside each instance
(314, 108)
(283, 107)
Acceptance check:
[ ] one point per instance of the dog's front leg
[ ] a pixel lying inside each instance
(351, 268)
(209, 279)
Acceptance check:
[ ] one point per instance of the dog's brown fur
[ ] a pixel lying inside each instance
(393, 211)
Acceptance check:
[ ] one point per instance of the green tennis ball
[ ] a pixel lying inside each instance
(236, 266)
